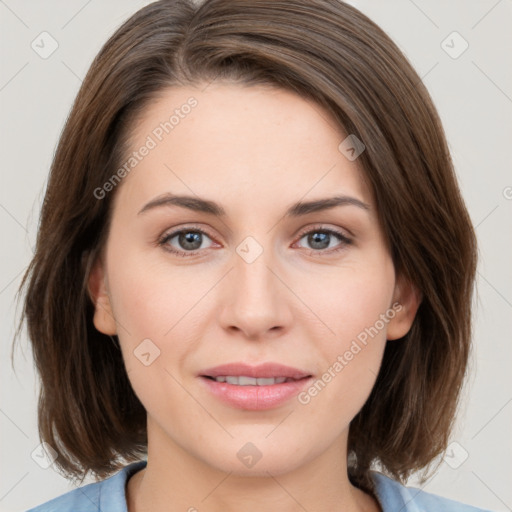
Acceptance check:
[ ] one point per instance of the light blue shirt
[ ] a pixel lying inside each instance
(109, 496)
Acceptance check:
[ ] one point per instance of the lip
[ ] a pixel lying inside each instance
(255, 398)
(264, 370)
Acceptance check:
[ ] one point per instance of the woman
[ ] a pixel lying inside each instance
(253, 275)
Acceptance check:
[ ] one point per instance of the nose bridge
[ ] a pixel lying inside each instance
(251, 268)
(256, 282)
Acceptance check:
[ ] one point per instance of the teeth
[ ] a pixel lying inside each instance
(242, 380)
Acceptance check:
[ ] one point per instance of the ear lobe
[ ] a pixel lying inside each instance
(407, 299)
(103, 318)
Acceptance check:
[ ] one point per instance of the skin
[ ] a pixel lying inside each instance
(254, 150)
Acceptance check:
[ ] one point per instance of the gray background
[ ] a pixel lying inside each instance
(473, 92)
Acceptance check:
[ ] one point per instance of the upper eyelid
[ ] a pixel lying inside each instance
(323, 227)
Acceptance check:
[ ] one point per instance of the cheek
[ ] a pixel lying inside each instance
(148, 302)
(150, 297)
(162, 312)
(351, 298)
(354, 304)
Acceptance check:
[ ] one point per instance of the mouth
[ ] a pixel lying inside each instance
(243, 372)
(244, 380)
(254, 388)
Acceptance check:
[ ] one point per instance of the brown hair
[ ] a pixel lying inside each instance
(323, 50)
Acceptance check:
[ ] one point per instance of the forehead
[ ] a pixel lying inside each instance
(247, 144)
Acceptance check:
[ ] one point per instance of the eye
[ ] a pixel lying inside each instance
(189, 241)
(321, 239)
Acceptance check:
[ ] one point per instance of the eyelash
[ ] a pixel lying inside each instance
(163, 241)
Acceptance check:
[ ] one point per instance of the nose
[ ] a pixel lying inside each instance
(256, 300)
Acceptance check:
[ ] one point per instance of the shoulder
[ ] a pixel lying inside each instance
(394, 496)
(108, 494)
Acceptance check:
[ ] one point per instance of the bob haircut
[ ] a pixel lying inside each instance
(323, 50)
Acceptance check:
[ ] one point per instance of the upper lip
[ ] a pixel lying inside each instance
(265, 370)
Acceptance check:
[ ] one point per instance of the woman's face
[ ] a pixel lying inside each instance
(251, 282)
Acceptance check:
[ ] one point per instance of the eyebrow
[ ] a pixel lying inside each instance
(207, 206)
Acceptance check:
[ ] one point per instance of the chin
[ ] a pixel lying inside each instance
(258, 459)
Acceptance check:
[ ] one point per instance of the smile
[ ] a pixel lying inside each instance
(243, 380)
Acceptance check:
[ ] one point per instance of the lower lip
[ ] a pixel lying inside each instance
(255, 398)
